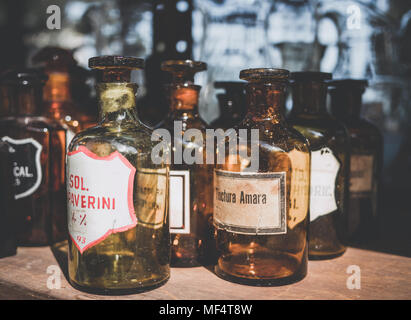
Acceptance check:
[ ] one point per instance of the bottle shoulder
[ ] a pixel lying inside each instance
(31, 123)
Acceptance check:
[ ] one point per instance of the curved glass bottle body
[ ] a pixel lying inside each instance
(138, 258)
(41, 213)
(329, 145)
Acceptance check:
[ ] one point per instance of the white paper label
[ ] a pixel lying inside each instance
(250, 203)
(324, 170)
(179, 201)
(361, 167)
(100, 196)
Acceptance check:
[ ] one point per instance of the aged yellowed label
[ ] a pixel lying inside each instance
(250, 203)
(361, 168)
(299, 193)
(151, 191)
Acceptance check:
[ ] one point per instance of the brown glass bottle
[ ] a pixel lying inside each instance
(261, 209)
(232, 104)
(329, 145)
(57, 99)
(365, 160)
(119, 234)
(191, 197)
(37, 148)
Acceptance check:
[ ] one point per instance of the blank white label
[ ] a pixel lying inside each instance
(179, 201)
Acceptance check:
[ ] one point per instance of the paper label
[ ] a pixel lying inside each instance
(25, 155)
(179, 201)
(99, 196)
(250, 203)
(324, 170)
(361, 168)
(151, 197)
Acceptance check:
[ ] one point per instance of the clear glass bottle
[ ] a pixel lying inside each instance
(232, 104)
(191, 195)
(329, 145)
(261, 213)
(365, 160)
(36, 148)
(57, 99)
(117, 197)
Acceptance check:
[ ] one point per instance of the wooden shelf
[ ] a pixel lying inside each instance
(383, 276)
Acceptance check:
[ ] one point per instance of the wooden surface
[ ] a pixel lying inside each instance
(383, 276)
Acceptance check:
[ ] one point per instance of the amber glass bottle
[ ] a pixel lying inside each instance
(58, 103)
(36, 147)
(329, 145)
(365, 160)
(232, 104)
(261, 209)
(117, 197)
(191, 194)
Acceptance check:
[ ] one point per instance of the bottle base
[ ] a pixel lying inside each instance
(264, 282)
(118, 291)
(323, 255)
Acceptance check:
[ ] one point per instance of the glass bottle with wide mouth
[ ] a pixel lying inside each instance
(191, 197)
(58, 103)
(231, 102)
(36, 148)
(329, 146)
(117, 195)
(365, 160)
(261, 190)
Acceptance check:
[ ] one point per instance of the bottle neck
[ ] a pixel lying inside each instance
(346, 103)
(265, 102)
(23, 100)
(183, 101)
(117, 102)
(309, 98)
(57, 88)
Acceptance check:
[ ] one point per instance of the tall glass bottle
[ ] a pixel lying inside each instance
(232, 104)
(191, 197)
(58, 103)
(329, 146)
(36, 148)
(117, 196)
(261, 201)
(365, 160)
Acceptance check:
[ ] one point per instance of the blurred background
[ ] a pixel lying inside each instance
(360, 39)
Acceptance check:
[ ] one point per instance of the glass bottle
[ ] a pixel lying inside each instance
(232, 104)
(329, 147)
(117, 196)
(365, 160)
(36, 148)
(261, 205)
(8, 241)
(58, 103)
(191, 197)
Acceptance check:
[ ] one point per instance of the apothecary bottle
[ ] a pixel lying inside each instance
(261, 191)
(36, 148)
(231, 102)
(58, 103)
(329, 147)
(365, 160)
(191, 194)
(117, 196)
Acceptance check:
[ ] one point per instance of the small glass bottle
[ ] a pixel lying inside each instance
(232, 104)
(57, 100)
(191, 194)
(329, 147)
(8, 241)
(365, 160)
(37, 150)
(261, 202)
(117, 196)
